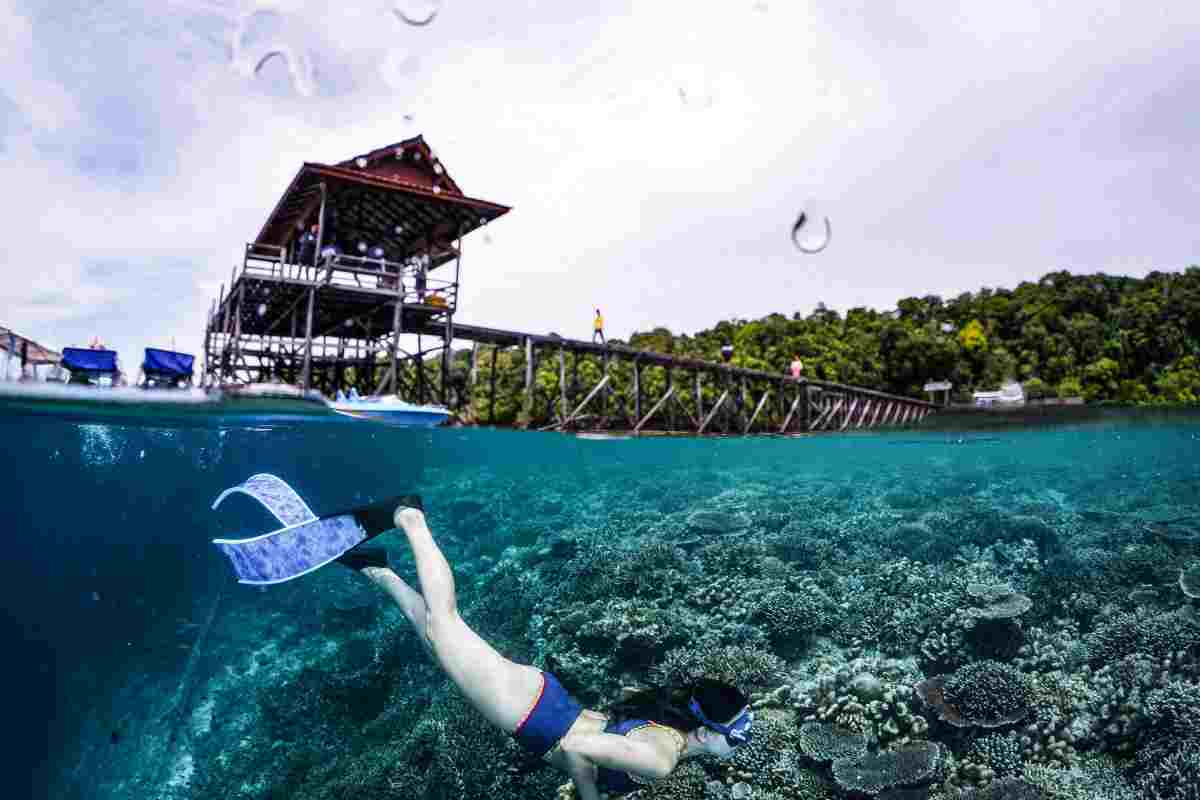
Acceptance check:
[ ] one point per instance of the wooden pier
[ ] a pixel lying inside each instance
(346, 312)
(642, 391)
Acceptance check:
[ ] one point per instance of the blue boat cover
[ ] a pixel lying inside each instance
(167, 362)
(78, 359)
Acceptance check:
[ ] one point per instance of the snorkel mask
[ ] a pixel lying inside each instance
(736, 733)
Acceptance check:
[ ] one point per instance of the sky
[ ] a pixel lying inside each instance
(655, 154)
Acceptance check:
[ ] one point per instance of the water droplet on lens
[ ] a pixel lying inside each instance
(262, 36)
(397, 67)
(811, 232)
(417, 12)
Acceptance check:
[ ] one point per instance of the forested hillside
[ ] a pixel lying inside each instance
(1100, 336)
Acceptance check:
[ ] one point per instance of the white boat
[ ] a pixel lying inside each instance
(389, 410)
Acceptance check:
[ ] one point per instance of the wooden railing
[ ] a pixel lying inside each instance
(360, 273)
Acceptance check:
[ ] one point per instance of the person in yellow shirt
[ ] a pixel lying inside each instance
(598, 327)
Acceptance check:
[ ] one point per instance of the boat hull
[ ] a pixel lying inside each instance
(408, 417)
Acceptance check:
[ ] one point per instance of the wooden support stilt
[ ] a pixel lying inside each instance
(699, 396)
(806, 406)
(762, 401)
(446, 339)
(308, 326)
(791, 411)
(637, 388)
(867, 406)
(492, 390)
(529, 373)
(679, 402)
(562, 382)
(849, 414)
(716, 407)
(641, 422)
(827, 416)
(604, 399)
(671, 410)
(875, 416)
(397, 318)
(595, 389)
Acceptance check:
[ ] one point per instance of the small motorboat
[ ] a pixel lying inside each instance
(389, 410)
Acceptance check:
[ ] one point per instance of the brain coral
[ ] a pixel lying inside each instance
(987, 694)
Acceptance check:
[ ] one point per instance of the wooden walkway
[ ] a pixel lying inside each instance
(747, 400)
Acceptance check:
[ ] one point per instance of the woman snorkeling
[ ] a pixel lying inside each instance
(643, 739)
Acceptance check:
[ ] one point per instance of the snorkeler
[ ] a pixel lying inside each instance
(643, 740)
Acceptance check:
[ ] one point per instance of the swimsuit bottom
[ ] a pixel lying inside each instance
(552, 714)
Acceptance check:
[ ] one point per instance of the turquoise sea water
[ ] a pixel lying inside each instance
(137, 667)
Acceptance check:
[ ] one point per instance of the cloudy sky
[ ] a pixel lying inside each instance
(655, 153)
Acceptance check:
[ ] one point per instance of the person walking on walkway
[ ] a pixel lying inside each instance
(598, 327)
(797, 367)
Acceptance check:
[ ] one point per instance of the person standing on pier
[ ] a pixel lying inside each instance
(598, 327)
(308, 246)
(797, 367)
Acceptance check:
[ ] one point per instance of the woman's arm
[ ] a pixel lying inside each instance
(583, 774)
(618, 752)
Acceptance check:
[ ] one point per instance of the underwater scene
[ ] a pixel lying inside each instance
(938, 613)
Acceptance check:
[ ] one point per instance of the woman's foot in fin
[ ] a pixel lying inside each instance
(358, 558)
(411, 501)
(409, 508)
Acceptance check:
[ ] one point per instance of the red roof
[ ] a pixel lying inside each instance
(403, 184)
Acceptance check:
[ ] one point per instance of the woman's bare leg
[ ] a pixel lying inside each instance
(408, 598)
(501, 690)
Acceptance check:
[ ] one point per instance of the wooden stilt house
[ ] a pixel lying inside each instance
(357, 261)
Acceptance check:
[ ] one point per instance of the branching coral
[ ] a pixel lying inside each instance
(1156, 635)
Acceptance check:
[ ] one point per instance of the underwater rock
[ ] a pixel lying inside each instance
(871, 773)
